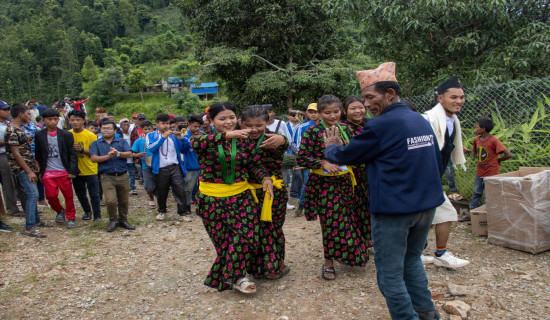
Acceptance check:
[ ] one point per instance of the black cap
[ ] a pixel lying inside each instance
(452, 82)
(141, 116)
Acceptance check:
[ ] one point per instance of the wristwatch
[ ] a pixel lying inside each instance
(118, 154)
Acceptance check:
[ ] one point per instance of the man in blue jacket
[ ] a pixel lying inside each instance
(167, 148)
(403, 170)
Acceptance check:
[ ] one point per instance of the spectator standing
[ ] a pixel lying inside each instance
(24, 167)
(87, 178)
(8, 183)
(58, 165)
(166, 148)
(110, 153)
(125, 129)
(191, 162)
(140, 151)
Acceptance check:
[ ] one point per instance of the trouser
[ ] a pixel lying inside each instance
(479, 189)
(170, 176)
(41, 190)
(52, 186)
(91, 182)
(116, 190)
(8, 185)
(131, 175)
(400, 274)
(190, 182)
(304, 184)
(31, 192)
(450, 174)
(296, 185)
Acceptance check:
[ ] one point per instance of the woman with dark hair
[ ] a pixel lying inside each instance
(354, 117)
(330, 192)
(226, 201)
(271, 149)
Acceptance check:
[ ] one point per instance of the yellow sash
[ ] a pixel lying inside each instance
(350, 171)
(267, 213)
(222, 190)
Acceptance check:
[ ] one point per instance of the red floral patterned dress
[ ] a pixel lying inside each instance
(231, 222)
(332, 199)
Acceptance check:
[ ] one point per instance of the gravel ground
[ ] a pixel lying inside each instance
(157, 271)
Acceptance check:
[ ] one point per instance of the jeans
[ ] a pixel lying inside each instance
(398, 242)
(479, 189)
(296, 186)
(304, 184)
(190, 182)
(132, 175)
(41, 191)
(170, 176)
(116, 190)
(80, 183)
(450, 174)
(31, 191)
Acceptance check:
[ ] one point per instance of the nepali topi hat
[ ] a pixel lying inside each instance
(452, 82)
(384, 72)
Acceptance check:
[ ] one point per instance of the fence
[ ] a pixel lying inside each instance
(520, 110)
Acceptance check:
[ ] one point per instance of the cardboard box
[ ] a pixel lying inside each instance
(478, 218)
(518, 209)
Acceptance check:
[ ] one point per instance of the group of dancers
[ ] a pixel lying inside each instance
(242, 199)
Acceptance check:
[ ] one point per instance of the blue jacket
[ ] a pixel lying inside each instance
(191, 161)
(155, 140)
(403, 161)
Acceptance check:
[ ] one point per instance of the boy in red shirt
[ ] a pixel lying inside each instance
(486, 149)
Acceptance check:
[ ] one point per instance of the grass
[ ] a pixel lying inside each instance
(87, 254)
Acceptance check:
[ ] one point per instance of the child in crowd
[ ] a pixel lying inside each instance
(92, 127)
(486, 148)
(140, 151)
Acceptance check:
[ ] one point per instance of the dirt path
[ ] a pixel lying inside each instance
(157, 271)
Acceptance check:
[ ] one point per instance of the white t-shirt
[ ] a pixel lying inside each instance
(127, 138)
(167, 153)
(282, 129)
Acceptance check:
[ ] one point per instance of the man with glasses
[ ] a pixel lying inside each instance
(110, 153)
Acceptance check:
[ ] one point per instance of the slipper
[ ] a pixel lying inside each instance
(243, 285)
(35, 233)
(327, 270)
(455, 196)
(279, 275)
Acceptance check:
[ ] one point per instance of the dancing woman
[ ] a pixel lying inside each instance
(330, 193)
(226, 202)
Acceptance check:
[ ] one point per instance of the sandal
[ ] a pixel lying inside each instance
(455, 196)
(244, 285)
(35, 233)
(279, 275)
(327, 270)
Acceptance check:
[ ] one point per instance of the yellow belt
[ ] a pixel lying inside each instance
(350, 171)
(222, 190)
(267, 212)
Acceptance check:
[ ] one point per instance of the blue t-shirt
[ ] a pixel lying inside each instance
(139, 147)
(100, 147)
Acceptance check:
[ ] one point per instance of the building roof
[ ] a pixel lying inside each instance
(205, 85)
(175, 80)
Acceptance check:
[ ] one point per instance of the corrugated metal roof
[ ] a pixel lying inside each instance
(205, 85)
(175, 80)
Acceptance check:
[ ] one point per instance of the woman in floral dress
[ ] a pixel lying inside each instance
(226, 201)
(330, 193)
(271, 148)
(354, 117)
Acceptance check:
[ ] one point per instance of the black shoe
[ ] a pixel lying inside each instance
(429, 315)
(300, 211)
(4, 227)
(112, 226)
(464, 219)
(86, 216)
(126, 225)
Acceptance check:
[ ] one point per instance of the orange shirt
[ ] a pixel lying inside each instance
(487, 152)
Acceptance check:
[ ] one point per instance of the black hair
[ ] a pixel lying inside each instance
(172, 121)
(410, 105)
(219, 107)
(110, 114)
(146, 124)
(50, 113)
(18, 108)
(486, 123)
(195, 118)
(91, 123)
(77, 113)
(162, 117)
(179, 119)
(349, 100)
(102, 123)
(327, 100)
(38, 119)
(383, 86)
(253, 112)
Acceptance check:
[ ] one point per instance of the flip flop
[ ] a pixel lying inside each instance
(327, 270)
(243, 285)
(35, 233)
(279, 275)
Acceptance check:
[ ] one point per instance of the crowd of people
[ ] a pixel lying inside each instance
(370, 183)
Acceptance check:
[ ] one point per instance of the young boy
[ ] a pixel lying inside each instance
(140, 151)
(92, 126)
(58, 163)
(191, 162)
(486, 149)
